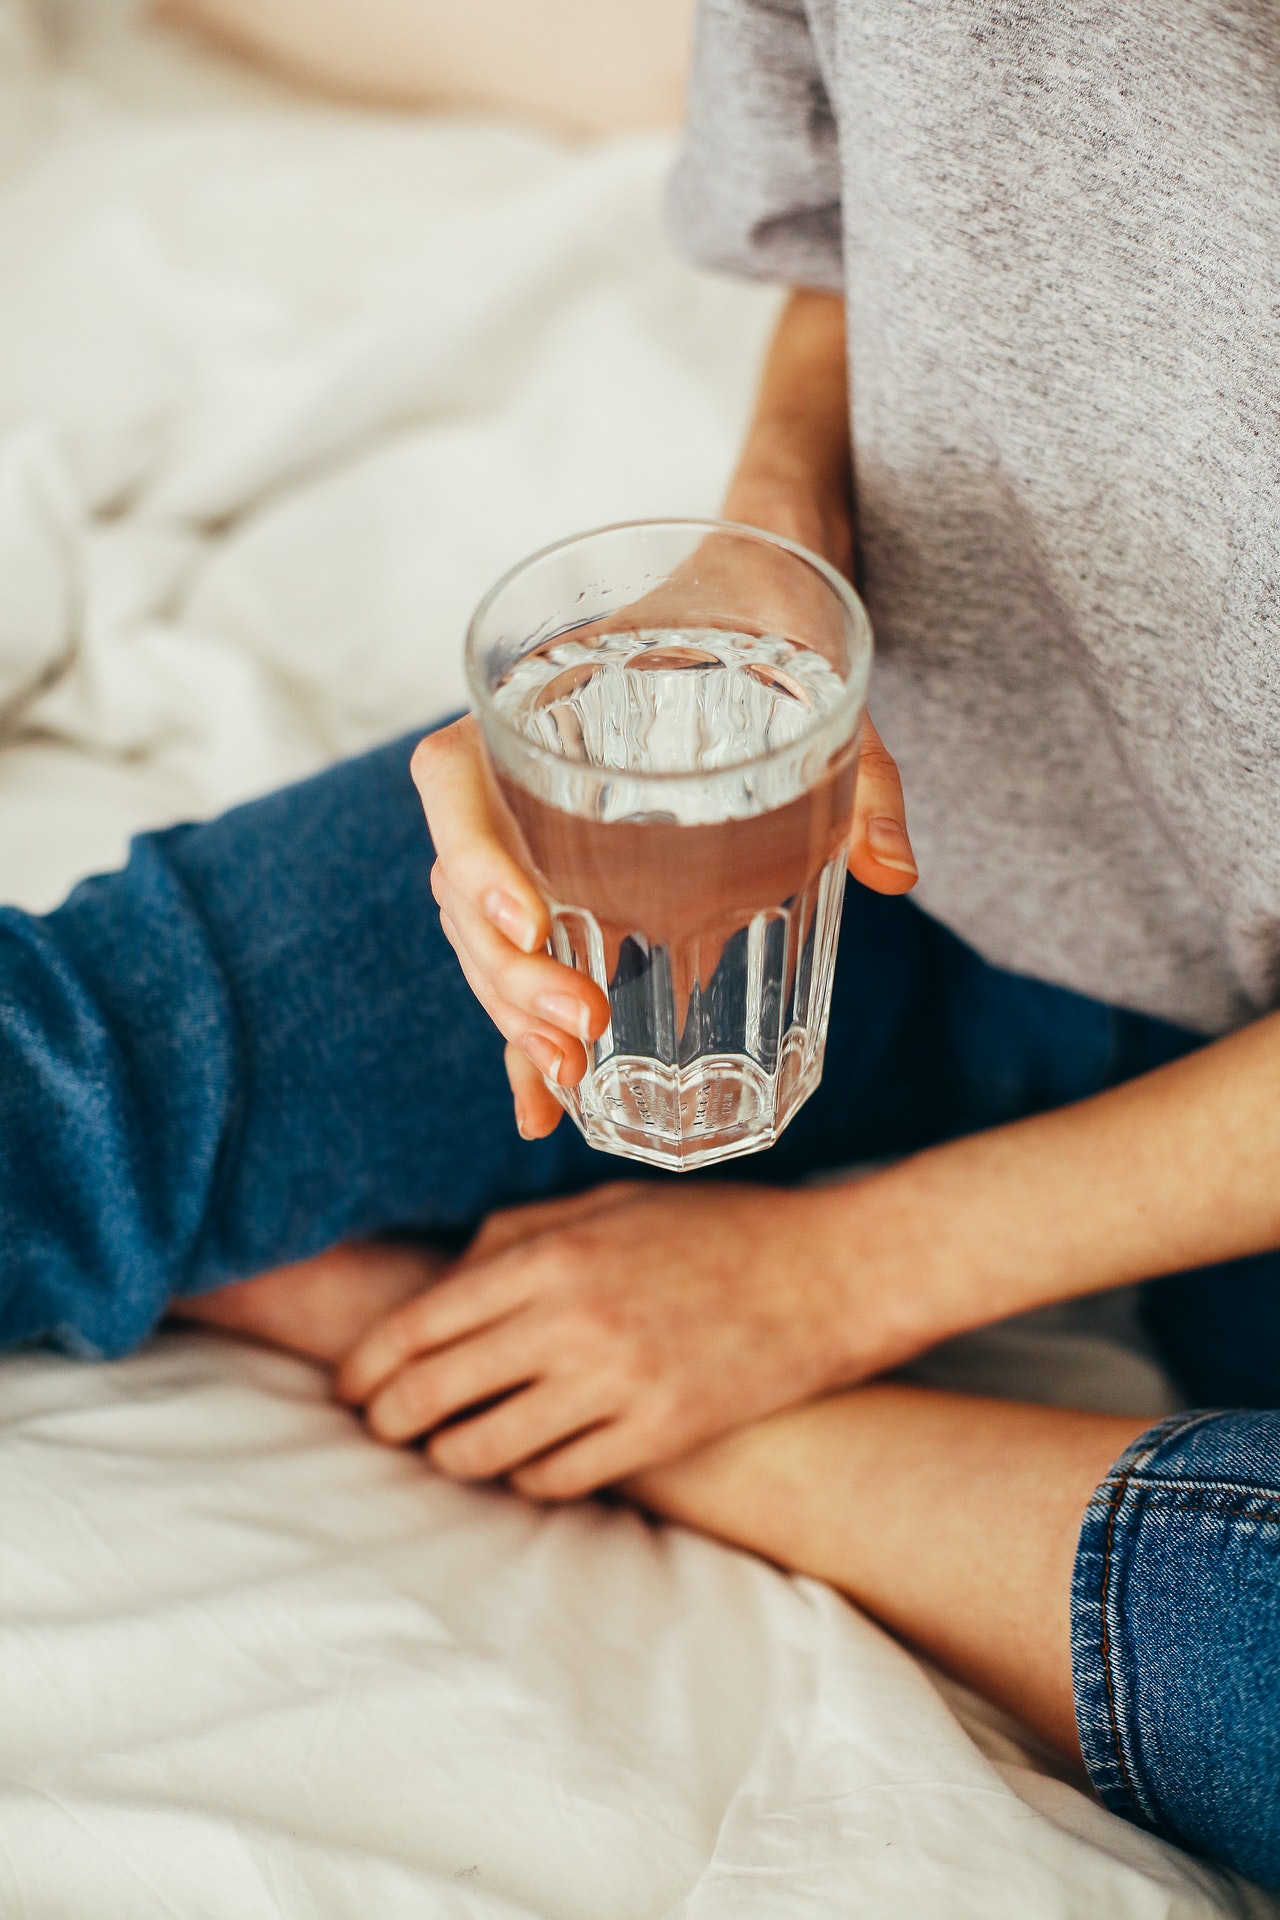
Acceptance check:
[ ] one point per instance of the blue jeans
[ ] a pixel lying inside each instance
(255, 1042)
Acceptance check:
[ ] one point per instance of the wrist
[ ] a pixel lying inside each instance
(1055, 1206)
(917, 1262)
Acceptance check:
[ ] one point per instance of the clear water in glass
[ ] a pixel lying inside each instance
(707, 909)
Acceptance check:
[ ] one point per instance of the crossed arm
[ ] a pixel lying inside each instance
(676, 1341)
(640, 1322)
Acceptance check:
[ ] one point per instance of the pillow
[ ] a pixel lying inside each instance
(588, 65)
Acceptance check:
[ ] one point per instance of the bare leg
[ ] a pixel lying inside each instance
(319, 1307)
(953, 1520)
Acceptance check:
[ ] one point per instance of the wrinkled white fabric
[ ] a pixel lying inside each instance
(281, 390)
(254, 1665)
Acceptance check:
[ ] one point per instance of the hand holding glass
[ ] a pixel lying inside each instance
(672, 711)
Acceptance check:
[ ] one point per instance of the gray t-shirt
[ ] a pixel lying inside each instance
(1058, 229)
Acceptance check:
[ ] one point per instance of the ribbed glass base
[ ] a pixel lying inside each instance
(715, 1043)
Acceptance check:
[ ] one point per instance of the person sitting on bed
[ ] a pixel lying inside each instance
(1046, 244)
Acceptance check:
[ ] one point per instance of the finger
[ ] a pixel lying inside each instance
(546, 991)
(462, 805)
(538, 1112)
(513, 1225)
(552, 1052)
(880, 853)
(520, 1427)
(434, 1388)
(461, 1304)
(595, 1459)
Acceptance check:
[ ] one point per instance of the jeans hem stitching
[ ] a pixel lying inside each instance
(1166, 1430)
(1130, 1786)
(1205, 1495)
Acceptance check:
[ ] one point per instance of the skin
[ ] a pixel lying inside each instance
(669, 1337)
(575, 64)
(598, 1313)
(633, 1324)
(321, 1307)
(793, 479)
(952, 1520)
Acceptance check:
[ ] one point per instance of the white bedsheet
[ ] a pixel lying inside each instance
(253, 1665)
(281, 390)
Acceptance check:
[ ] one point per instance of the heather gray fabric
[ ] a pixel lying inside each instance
(1059, 232)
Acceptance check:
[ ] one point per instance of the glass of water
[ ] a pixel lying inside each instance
(672, 711)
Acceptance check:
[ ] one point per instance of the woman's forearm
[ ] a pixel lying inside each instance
(801, 416)
(793, 475)
(1174, 1170)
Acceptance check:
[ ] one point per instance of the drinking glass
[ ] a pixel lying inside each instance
(672, 710)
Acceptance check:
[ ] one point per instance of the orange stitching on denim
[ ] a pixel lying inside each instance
(1166, 1431)
(1127, 1777)
(1184, 1496)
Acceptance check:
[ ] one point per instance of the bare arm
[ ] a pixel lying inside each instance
(668, 1315)
(1175, 1170)
(793, 476)
(1171, 1171)
(793, 479)
(649, 1319)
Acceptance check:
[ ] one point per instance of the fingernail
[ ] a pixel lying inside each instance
(546, 1058)
(890, 845)
(522, 1124)
(567, 1011)
(509, 917)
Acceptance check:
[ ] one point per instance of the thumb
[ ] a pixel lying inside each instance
(880, 853)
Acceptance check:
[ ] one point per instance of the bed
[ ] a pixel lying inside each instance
(282, 387)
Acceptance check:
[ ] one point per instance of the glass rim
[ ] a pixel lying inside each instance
(851, 702)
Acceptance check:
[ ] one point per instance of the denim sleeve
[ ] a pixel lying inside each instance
(231, 1054)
